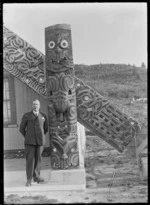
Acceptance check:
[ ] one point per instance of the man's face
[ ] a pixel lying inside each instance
(36, 105)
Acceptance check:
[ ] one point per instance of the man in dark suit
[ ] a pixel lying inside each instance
(33, 127)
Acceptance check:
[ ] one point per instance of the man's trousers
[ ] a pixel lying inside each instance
(33, 160)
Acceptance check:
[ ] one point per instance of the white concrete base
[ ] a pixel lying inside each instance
(54, 180)
(75, 176)
(44, 188)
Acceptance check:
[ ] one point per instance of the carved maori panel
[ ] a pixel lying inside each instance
(61, 94)
(93, 110)
(103, 118)
(23, 61)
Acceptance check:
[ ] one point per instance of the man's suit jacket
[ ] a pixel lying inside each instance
(34, 128)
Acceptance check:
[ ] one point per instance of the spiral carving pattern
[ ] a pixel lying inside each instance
(53, 83)
(68, 83)
(23, 61)
(72, 114)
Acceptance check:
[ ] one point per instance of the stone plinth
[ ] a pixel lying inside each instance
(75, 176)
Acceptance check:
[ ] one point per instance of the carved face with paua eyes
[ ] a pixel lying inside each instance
(58, 48)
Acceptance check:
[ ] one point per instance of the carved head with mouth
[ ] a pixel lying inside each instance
(58, 48)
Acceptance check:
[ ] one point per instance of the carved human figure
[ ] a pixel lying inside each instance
(60, 84)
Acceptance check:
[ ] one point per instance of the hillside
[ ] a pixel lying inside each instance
(119, 83)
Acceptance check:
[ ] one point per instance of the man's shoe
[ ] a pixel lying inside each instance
(28, 183)
(38, 179)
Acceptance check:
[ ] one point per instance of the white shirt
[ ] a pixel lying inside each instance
(36, 113)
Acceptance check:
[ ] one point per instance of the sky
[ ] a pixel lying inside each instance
(101, 32)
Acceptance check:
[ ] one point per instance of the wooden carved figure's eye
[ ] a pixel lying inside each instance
(51, 44)
(64, 44)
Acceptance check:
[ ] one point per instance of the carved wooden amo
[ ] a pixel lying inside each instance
(104, 119)
(93, 110)
(60, 84)
(23, 61)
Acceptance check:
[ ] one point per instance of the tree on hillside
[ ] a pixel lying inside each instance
(143, 65)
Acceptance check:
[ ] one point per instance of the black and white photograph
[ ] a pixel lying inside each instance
(75, 103)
